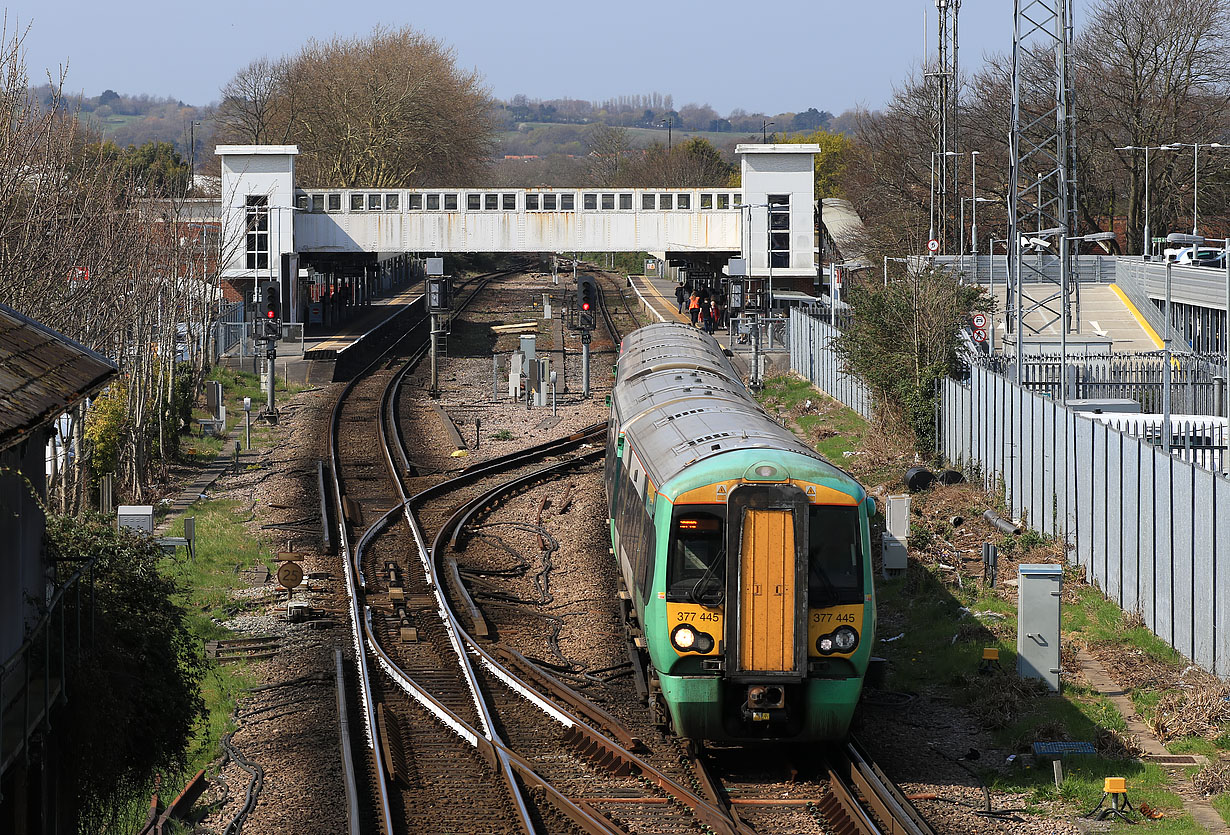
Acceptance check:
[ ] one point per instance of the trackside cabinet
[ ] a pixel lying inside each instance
(1037, 641)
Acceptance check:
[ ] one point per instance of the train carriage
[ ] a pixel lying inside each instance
(744, 555)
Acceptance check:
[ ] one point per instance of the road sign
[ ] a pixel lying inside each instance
(980, 335)
(980, 320)
(933, 246)
(290, 575)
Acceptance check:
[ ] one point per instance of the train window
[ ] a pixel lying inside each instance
(509, 202)
(696, 560)
(356, 202)
(433, 202)
(590, 202)
(414, 202)
(335, 202)
(834, 555)
(608, 201)
(531, 202)
(723, 201)
(392, 202)
(548, 202)
(706, 201)
(474, 202)
(567, 202)
(683, 201)
(374, 202)
(666, 201)
(491, 202)
(625, 201)
(647, 201)
(318, 202)
(450, 202)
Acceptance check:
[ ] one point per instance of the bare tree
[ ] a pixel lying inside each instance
(256, 107)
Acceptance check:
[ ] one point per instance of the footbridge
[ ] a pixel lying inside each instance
(271, 224)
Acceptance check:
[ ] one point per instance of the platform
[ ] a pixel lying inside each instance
(325, 350)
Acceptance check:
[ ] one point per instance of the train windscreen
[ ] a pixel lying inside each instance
(696, 569)
(834, 556)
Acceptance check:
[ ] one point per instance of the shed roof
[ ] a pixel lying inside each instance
(42, 374)
(844, 226)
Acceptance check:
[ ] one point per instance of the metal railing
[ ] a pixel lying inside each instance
(32, 679)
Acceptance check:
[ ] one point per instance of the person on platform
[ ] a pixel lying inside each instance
(681, 295)
(694, 307)
(715, 316)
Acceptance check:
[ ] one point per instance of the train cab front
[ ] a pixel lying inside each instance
(766, 612)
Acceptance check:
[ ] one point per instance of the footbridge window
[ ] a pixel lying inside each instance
(779, 230)
(256, 215)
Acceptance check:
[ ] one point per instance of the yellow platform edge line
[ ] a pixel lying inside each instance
(671, 306)
(1140, 320)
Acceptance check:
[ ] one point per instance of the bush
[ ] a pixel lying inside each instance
(133, 695)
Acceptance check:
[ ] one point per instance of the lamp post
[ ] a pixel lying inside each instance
(1147, 249)
(1195, 146)
(192, 154)
(764, 132)
(973, 190)
(669, 122)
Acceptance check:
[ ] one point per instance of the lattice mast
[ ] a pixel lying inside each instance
(1042, 193)
(945, 82)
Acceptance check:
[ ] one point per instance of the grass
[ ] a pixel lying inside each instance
(223, 548)
(835, 429)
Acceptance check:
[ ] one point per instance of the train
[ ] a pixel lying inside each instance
(744, 557)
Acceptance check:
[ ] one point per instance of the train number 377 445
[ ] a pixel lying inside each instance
(831, 617)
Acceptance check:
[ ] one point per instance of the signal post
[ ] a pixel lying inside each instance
(587, 301)
(438, 304)
(270, 332)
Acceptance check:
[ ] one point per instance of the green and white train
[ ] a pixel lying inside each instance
(745, 557)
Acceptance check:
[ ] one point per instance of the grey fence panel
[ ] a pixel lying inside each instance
(1147, 568)
(1203, 553)
(1114, 517)
(1070, 463)
(1130, 513)
(1036, 452)
(1097, 553)
(1181, 548)
(1221, 576)
(1163, 534)
(813, 355)
(1083, 459)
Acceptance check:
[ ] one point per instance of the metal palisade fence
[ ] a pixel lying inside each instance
(1142, 524)
(812, 354)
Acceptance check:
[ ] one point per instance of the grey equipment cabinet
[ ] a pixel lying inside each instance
(1037, 642)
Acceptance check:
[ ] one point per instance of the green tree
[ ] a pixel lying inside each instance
(134, 694)
(831, 162)
(903, 340)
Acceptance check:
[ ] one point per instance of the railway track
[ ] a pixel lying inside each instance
(461, 732)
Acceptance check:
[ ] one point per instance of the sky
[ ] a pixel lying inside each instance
(758, 56)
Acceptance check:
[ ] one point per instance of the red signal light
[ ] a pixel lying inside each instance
(585, 305)
(272, 315)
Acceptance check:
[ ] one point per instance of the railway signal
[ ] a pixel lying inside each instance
(587, 301)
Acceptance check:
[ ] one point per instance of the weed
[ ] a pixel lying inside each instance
(502, 435)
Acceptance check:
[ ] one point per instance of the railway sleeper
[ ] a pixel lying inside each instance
(596, 754)
(838, 815)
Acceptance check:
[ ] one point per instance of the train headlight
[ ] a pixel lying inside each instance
(687, 639)
(845, 639)
(842, 639)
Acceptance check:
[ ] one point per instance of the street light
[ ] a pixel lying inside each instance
(668, 122)
(973, 190)
(974, 212)
(764, 135)
(192, 154)
(1148, 243)
(1195, 146)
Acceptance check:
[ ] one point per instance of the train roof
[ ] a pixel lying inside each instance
(671, 345)
(682, 402)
